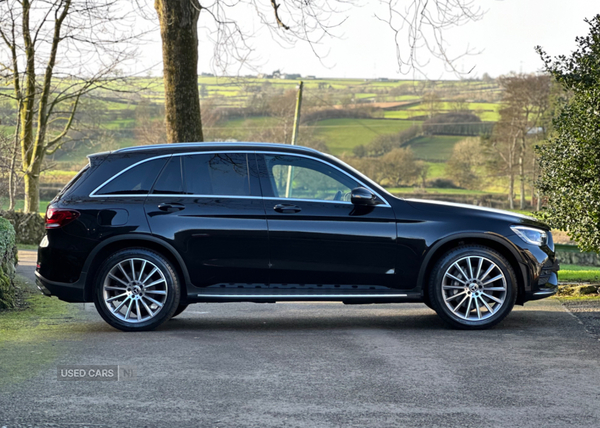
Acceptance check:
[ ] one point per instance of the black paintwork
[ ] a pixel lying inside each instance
(266, 249)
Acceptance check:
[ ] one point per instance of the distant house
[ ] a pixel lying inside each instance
(207, 75)
(310, 77)
(265, 76)
(290, 76)
(383, 79)
(535, 130)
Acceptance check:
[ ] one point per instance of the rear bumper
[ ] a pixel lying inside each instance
(68, 292)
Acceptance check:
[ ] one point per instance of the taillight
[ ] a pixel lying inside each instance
(59, 217)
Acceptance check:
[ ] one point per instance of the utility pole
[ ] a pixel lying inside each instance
(297, 114)
(294, 136)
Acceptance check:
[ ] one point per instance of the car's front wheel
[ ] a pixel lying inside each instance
(136, 290)
(473, 287)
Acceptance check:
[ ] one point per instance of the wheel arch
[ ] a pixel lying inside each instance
(493, 241)
(111, 245)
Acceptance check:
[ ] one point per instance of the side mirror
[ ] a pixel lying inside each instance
(363, 197)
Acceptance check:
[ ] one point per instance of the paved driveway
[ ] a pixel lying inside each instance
(317, 364)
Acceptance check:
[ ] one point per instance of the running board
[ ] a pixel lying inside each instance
(367, 298)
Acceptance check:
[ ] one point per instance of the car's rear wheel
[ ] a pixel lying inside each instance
(136, 290)
(473, 287)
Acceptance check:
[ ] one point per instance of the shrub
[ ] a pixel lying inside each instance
(443, 183)
(333, 113)
(8, 260)
(387, 142)
(455, 124)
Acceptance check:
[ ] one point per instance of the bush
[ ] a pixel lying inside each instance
(8, 261)
(443, 183)
(387, 142)
(29, 227)
(352, 113)
(455, 124)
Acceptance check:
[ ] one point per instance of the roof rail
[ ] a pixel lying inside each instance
(212, 144)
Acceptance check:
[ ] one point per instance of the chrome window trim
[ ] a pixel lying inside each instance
(328, 201)
(180, 195)
(94, 195)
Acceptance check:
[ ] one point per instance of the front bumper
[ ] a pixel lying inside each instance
(68, 292)
(547, 282)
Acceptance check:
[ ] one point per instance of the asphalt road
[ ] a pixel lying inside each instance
(317, 365)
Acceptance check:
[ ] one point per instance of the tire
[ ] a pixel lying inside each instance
(180, 309)
(136, 290)
(473, 287)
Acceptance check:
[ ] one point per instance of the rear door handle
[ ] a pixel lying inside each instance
(170, 207)
(287, 208)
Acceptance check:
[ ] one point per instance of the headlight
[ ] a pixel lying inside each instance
(531, 235)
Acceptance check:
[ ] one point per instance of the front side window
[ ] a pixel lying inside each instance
(224, 174)
(297, 177)
(135, 181)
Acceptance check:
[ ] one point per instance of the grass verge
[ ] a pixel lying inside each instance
(27, 247)
(29, 336)
(575, 273)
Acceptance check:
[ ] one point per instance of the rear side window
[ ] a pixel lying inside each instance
(74, 180)
(134, 181)
(223, 174)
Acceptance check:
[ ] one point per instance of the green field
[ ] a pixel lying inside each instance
(487, 112)
(435, 147)
(342, 135)
(577, 273)
(21, 203)
(112, 118)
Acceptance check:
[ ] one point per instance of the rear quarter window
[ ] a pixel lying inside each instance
(137, 180)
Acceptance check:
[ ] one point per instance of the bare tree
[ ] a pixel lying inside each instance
(464, 163)
(525, 100)
(47, 83)
(10, 167)
(148, 129)
(422, 21)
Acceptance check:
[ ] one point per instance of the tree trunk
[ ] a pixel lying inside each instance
(178, 29)
(32, 187)
(522, 182)
(12, 177)
(511, 191)
(26, 116)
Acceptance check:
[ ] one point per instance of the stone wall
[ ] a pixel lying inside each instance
(29, 228)
(8, 261)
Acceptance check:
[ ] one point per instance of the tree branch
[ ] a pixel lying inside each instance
(275, 9)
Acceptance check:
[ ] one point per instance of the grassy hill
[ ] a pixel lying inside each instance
(109, 120)
(342, 135)
(435, 148)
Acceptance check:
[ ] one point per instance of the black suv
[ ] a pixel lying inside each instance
(145, 231)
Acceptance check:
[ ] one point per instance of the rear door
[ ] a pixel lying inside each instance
(209, 207)
(318, 238)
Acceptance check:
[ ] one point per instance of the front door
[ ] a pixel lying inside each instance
(317, 237)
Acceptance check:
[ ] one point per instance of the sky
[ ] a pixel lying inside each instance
(364, 46)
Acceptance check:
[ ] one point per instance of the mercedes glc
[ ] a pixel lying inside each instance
(143, 232)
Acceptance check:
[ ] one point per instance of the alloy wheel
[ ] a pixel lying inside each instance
(135, 290)
(474, 288)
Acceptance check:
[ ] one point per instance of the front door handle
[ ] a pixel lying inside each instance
(287, 208)
(170, 207)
